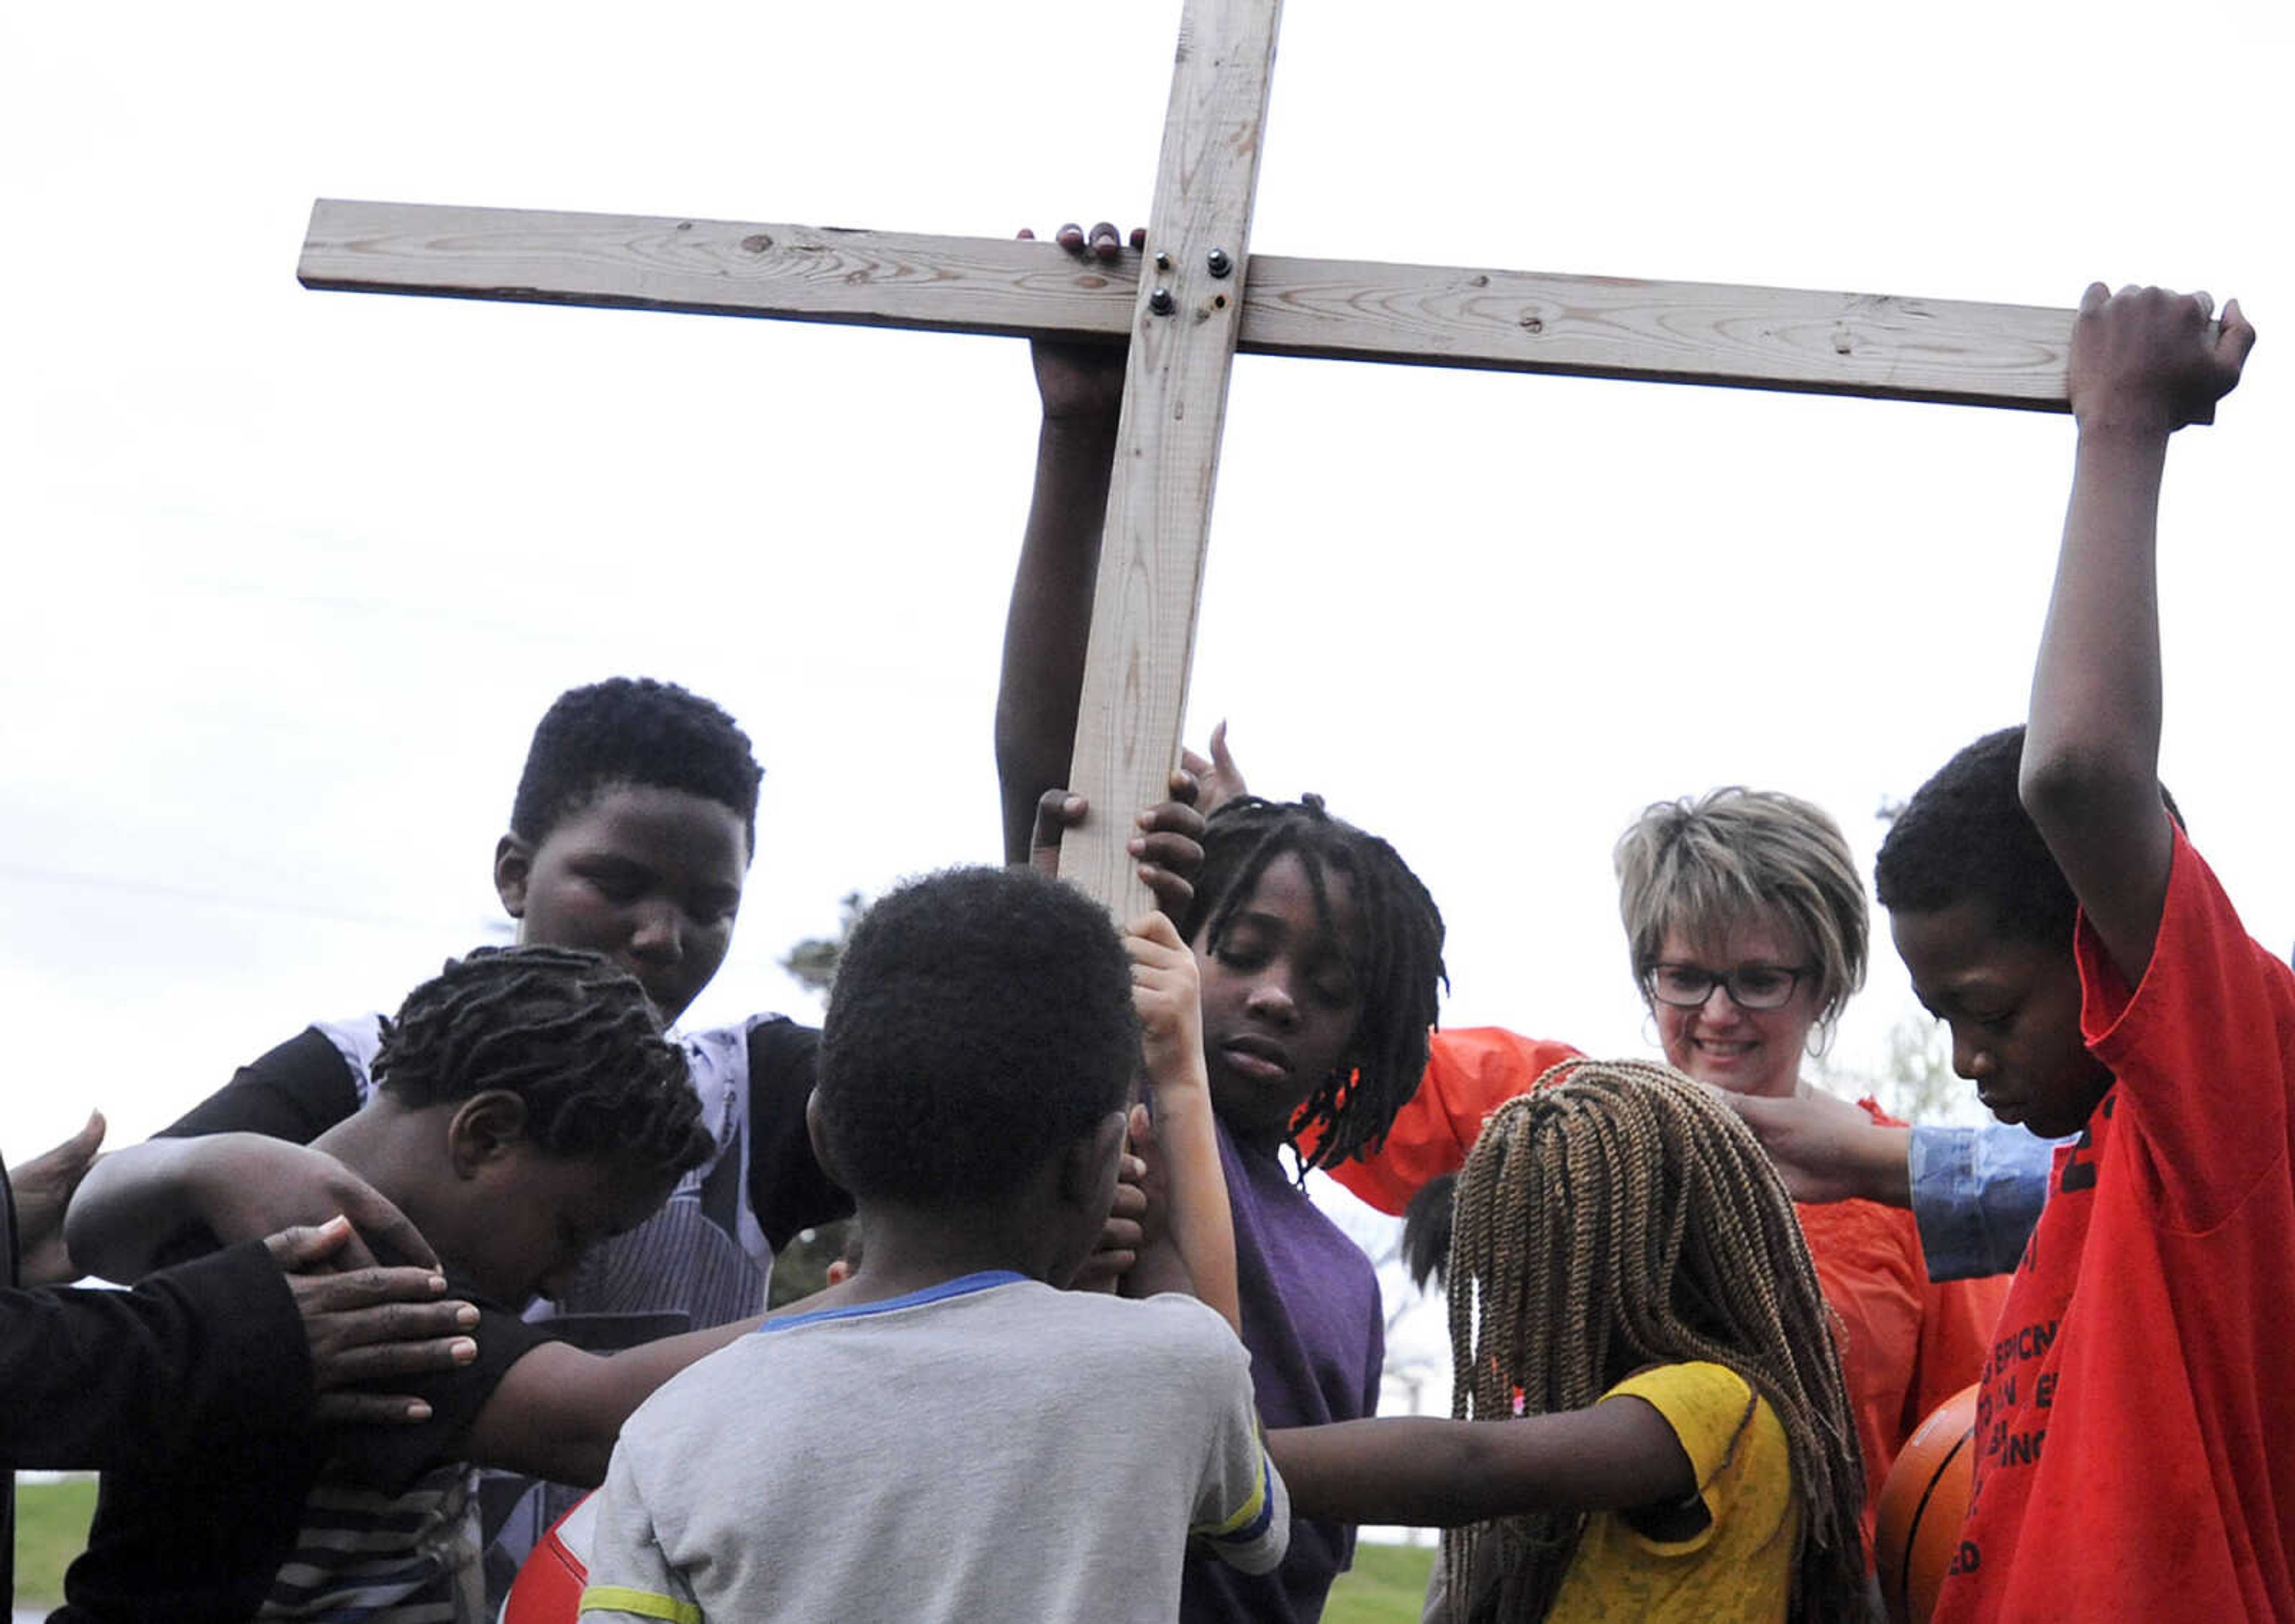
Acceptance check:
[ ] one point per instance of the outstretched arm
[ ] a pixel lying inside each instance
(1424, 1473)
(1826, 1149)
(1049, 625)
(2144, 362)
(556, 1412)
(136, 1203)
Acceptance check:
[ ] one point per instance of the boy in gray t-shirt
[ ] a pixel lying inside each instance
(946, 1435)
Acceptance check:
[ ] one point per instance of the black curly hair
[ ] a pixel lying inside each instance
(632, 731)
(1965, 835)
(1397, 955)
(570, 1034)
(980, 1024)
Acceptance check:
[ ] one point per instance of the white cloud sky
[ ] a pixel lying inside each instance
(291, 575)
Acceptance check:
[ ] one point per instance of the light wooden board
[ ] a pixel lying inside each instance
(1875, 345)
(1185, 320)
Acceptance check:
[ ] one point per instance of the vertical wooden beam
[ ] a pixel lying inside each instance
(1183, 338)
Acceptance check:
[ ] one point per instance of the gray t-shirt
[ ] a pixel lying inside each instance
(988, 1449)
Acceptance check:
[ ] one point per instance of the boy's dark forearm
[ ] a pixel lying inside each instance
(1048, 626)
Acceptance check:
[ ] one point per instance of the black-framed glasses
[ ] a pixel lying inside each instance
(1752, 987)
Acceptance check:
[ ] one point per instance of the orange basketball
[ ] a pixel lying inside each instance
(1917, 1524)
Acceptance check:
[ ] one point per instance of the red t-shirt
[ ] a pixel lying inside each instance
(2135, 1451)
(1470, 1073)
(1907, 1343)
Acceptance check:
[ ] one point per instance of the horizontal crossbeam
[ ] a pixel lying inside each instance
(1870, 345)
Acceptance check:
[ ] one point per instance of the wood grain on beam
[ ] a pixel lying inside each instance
(1184, 325)
(1426, 315)
(715, 267)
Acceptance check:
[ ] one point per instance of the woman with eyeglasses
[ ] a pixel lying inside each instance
(1746, 923)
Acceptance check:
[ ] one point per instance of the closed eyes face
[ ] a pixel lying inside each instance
(650, 877)
(529, 1218)
(2013, 1009)
(1281, 997)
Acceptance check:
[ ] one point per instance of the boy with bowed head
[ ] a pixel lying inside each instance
(1017, 1451)
(2136, 1456)
(526, 1107)
(263, 1337)
(1746, 928)
(631, 834)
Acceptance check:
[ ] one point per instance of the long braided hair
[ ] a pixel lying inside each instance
(568, 1032)
(1617, 1217)
(1397, 955)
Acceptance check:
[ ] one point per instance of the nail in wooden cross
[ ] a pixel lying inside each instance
(1197, 297)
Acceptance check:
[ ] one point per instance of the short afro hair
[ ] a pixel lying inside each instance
(1397, 956)
(1965, 837)
(980, 1024)
(632, 731)
(569, 1033)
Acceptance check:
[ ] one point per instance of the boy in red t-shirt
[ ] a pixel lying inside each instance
(2135, 1448)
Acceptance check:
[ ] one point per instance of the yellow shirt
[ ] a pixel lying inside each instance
(1741, 1566)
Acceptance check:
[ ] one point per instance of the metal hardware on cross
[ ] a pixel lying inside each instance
(1201, 296)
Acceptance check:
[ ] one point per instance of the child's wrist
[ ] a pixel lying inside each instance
(1181, 1089)
(2124, 420)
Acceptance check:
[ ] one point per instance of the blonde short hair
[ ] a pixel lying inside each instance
(1701, 866)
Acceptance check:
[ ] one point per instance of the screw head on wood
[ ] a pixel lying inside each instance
(1218, 263)
(1163, 260)
(1161, 301)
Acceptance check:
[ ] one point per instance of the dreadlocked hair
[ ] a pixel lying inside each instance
(570, 1034)
(1617, 1217)
(1397, 955)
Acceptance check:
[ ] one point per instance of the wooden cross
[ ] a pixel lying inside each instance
(1198, 296)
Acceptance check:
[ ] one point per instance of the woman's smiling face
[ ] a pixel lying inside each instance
(1722, 1042)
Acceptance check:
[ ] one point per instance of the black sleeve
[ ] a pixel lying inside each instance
(195, 1357)
(787, 1191)
(389, 1455)
(296, 1091)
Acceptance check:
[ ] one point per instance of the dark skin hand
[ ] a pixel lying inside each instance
(1048, 626)
(1126, 1231)
(1169, 847)
(368, 1324)
(238, 1187)
(44, 1187)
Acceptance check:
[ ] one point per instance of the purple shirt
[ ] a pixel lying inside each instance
(1317, 1335)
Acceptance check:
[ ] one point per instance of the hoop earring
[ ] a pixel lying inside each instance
(1649, 1030)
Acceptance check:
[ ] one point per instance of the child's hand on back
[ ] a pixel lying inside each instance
(368, 1326)
(2147, 361)
(1166, 992)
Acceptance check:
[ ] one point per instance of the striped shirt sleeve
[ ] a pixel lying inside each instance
(1243, 1512)
(631, 1580)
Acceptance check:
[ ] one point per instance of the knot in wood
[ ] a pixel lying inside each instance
(756, 243)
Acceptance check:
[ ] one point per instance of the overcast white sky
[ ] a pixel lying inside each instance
(291, 575)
